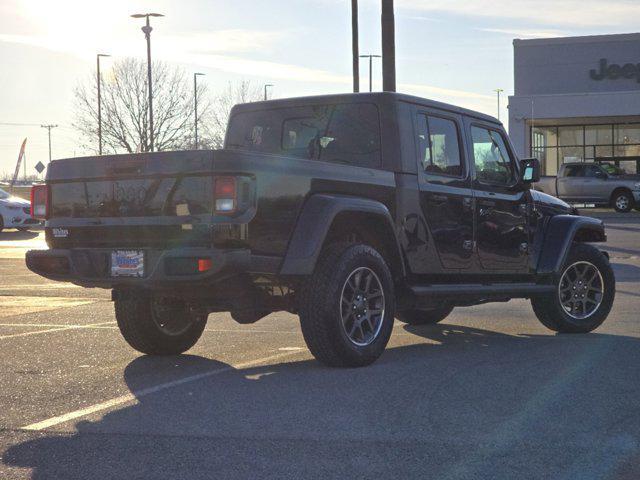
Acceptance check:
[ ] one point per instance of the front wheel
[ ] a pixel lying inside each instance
(347, 306)
(156, 325)
(584, 293)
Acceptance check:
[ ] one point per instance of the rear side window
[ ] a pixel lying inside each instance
(439, 146)
(491, 157)
(344, 133)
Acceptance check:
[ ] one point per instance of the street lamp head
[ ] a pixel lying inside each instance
(103, 55)
(143, 15)
(198, 74)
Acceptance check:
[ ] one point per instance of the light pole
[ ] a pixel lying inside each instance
(99, 81)
(266, 85)
(195, 104)
(147, 33)
(355, 49)
(388, 47)
(370, 57)
(49, 127)
(498, 92)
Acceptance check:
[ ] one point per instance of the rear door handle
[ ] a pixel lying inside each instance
(439, 198)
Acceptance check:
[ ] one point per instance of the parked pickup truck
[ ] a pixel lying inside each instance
(347, 210)
(601, 184)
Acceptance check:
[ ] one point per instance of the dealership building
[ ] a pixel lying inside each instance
(577, 99)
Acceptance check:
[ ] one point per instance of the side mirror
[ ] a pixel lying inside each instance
(529, 171)
(601, 175)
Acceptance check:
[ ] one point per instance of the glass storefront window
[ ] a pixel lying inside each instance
(545, 137)
(604, 152)
(618, 144)
(598, 135)
(627, 151)
(571, 154)
(626, 134)
(569, 136)
(629, 166)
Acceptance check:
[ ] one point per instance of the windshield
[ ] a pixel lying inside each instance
(612, 169)
(3, 195)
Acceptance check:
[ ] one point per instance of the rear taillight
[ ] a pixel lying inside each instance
(225, 195)
(40, 202)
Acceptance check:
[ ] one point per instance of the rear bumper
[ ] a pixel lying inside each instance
(92, 267)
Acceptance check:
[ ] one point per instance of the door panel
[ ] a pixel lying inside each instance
(502, 234)
(446, 197)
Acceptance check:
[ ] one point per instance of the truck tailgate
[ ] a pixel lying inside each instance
(153, 199)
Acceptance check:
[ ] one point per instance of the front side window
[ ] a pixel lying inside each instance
(491, 158)
(344, 133)
(439, 146)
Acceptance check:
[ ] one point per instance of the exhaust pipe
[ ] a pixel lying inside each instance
(388, 47)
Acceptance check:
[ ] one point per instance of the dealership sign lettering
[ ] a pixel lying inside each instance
(614, 71)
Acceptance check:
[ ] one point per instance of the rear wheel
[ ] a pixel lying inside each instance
(424, 317)
(584, 293)
(347, 305)
(156, 325)
(623, 201)
(1, 223)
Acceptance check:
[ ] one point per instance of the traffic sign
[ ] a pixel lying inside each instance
(40, 167)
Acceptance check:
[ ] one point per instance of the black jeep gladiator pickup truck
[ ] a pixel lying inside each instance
(348, 210)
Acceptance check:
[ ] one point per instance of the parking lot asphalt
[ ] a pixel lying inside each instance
(487, 394)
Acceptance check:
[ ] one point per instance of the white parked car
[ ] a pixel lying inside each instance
(15, 212)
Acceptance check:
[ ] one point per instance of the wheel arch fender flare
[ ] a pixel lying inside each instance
(314, 223)
(562, 231)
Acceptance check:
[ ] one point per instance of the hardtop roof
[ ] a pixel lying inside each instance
(375, 97)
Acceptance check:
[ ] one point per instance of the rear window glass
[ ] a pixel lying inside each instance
(344, 133)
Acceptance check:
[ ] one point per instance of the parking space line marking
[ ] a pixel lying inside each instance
(114, 402)
(48, 330)
(45, 325)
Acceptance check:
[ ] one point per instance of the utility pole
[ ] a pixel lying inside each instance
(354, 46)
(49, 127)
(388, 47)
(498, 92)
(370, 57)
(265, 90)
(147, 33)
(99, 81)
(195, 105)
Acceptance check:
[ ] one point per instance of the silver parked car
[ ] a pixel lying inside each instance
(601, 184)
(15, 212)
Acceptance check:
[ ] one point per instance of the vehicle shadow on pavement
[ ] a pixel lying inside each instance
(462, 403)
(7, 235)
(625, 272)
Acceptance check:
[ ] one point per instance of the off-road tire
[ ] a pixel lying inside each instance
(628, 201)
(424, 317)
(549, 310)
(320, 305)
(138, 325)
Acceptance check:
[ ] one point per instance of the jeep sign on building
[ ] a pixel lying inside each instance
(577, 99)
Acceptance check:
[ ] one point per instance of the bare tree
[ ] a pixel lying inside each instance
(234, 93)
(125, 108)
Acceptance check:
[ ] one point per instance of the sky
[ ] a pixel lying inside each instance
(456, 51)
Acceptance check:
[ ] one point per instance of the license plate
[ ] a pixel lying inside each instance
(127, 263)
